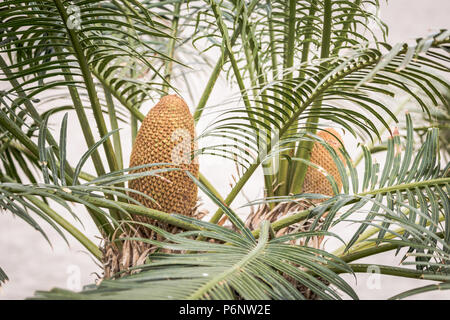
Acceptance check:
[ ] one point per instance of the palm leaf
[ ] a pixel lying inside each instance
(410, 191)
(3, 277)
(431, 287)
(220, 271)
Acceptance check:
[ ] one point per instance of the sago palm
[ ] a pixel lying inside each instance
(300, 73)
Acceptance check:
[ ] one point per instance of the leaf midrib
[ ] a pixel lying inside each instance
(251, 255)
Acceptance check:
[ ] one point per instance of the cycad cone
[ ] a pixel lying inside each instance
(167, 135)
(316, 181)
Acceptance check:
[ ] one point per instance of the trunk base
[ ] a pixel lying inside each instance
(122, 256)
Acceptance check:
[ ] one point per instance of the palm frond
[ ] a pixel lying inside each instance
(40, 33)
(13, 155)
(286, 104)
(409, 191)
(221, 271)
(3, 277)
(431, 287)
(345, 80)
(21, 198)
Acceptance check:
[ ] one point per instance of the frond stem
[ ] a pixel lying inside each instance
(90, 86)
(171, 48)
(88, 244)
(218, 67)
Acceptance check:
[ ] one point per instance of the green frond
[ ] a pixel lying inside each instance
(409, 191)
(431, 287)
(3, 277)
(343, 79)
(221, 271)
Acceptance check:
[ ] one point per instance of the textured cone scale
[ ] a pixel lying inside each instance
(167, 135)
(315, 181)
